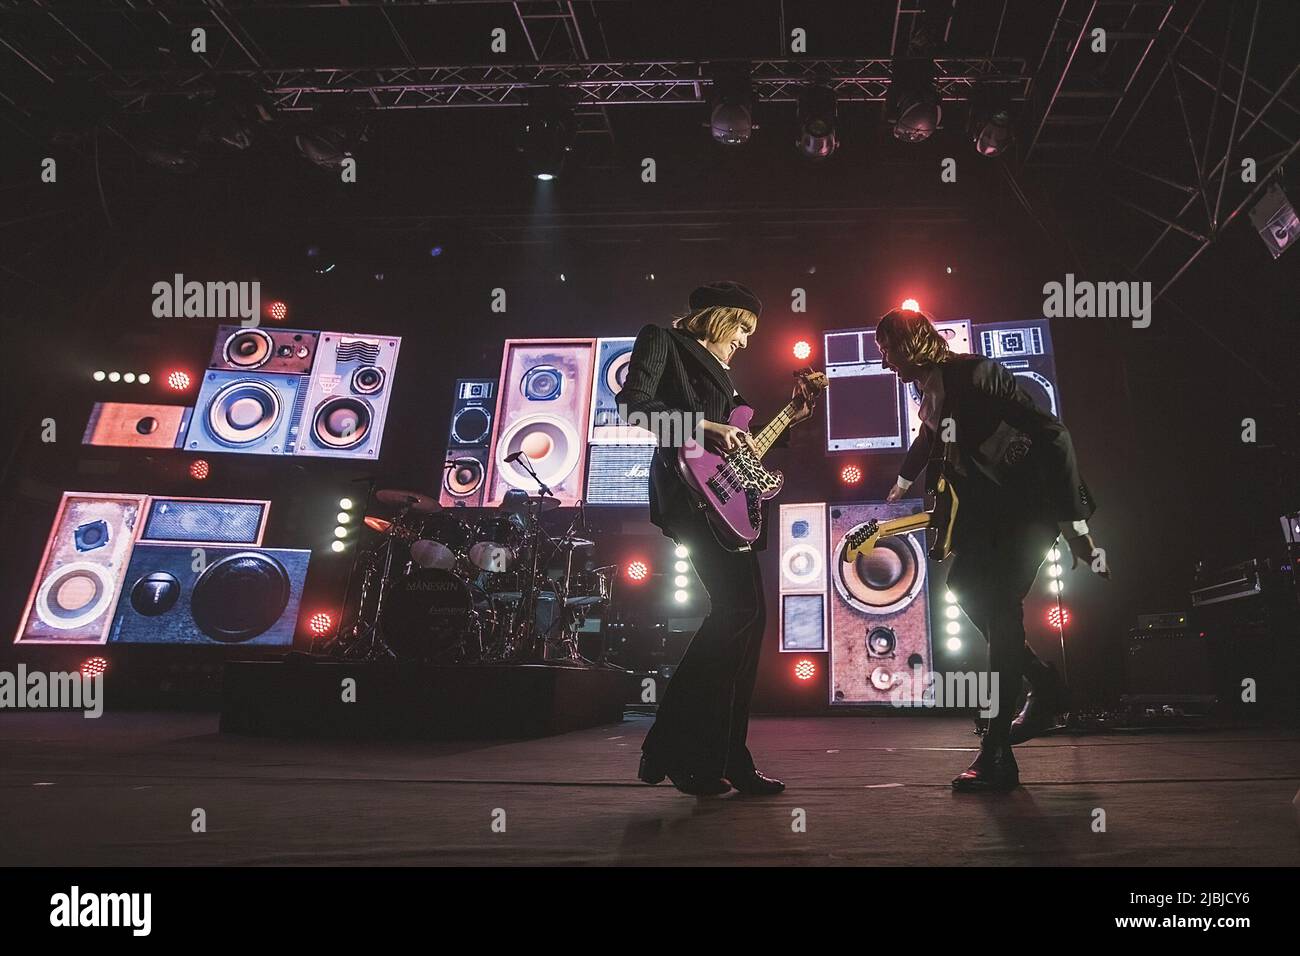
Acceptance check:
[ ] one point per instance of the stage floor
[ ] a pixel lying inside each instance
(120, 790)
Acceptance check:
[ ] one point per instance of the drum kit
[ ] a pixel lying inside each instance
(471, 585)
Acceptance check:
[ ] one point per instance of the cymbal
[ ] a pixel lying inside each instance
(398, 498)
(574, 544)
(377, 524)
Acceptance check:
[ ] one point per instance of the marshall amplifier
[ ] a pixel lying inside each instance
(619, 474)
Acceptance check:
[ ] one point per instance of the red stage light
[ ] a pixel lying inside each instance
(178, 381)
(320, 624)
(802, 350)
(277, 310)
(804, 669)
(92, 666)
(637, 571)
(1057, 617)
(851, 474)
(910, 305)
(199, 469)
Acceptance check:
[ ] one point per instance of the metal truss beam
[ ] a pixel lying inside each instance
(613, 83)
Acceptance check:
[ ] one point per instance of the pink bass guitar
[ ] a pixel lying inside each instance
(731, 489)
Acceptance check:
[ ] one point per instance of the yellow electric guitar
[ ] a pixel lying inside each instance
(937, 520)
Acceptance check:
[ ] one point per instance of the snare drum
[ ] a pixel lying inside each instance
(496, 543)
(442, 542)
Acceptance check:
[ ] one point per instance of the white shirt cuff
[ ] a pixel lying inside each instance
(902, 483)
(1074, 529)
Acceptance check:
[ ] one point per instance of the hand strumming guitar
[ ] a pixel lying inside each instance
(723, 439)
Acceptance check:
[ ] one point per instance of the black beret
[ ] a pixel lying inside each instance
(726, 295)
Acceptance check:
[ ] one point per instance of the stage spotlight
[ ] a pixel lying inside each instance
(340, 532)
(913, 103)
(804, 669)
(233, 114)
(321, 624)
(200, 469)
(337, 546)
(910, 305)
(277, 310)
(548, 133)
(731, 119)
(992, 133)
(178, 381)
(1055, 587)
(100, 375)
(851, 474)
(145, 378)
(1058, 617)
(681, 581)
(949, 597)
(93, 666)
(128, 377)
(953, 644)
(953, 627)
(435, 252)
(817, 136)
(952, 612)
(681, 597)
(681, 552)
(345, 504)
(637, 571)
(802, 350)
(681, 567)
(331, 144)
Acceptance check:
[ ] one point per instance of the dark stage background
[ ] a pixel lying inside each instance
(1156, 413)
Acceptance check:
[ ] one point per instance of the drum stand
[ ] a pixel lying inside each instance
(362, 640)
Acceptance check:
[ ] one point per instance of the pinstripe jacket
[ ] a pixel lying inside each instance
(673, 379)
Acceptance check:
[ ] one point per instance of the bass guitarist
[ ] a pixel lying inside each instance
(680, 379)
(1018, 483)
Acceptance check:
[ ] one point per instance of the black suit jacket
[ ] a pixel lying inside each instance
(1008, 452)
(670, 372)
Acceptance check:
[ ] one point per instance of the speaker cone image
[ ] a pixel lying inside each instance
(243, 412)
(471, 426)
(464, 477)
(248, 349)
(885, 579)
(542, 383)
(240, 596)
(342, 422)
(552, 448)
(74, 596)
(368, 380)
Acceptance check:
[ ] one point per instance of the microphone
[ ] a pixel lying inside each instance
(515, 456)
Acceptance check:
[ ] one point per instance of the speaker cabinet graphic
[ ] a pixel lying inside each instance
(1025, 348)
(204, 521)
(347, 401)
(543, 407)
(285, 351)
(237, 596)
(613, 356)
(864, 408)
(958, 336)
(248, 413)
(129, 425)
(803, 577)
(80, 578)
(464, 470)
(880, 611)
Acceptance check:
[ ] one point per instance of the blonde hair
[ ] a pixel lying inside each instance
(716, 323)
(911, 335)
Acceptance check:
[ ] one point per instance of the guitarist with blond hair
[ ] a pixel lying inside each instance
(684, 373)
(1018, 484)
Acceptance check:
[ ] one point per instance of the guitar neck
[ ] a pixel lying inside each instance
(768, 436)
(904, 524)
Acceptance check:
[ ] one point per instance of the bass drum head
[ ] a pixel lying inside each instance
(429, 615)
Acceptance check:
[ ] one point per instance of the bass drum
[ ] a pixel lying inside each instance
(432, 615)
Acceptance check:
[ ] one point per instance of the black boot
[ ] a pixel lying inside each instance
(756, 784)
(695, 784)
(994, 770)
(1046, 701)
